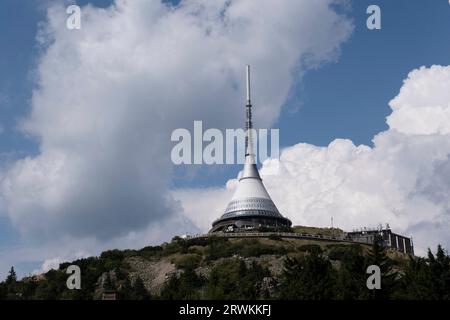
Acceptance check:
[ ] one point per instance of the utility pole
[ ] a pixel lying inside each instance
(332, 229)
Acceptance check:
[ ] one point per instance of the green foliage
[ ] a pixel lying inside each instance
(113, 259)
(218, 249)
(232, 279)
(150, 252)
(189, 260)
(243, 248)
(139, 292)
(275, 237)
(351, 276)
(135, 291)
(108, 285)
(426, 279)
(439, 267)
(173, 247)
(339, 272)
(310, 277)
(11, 279)
(378, 257)
(125, 289)
(184, 287)
(229, 279)
(342, 251)
(11, 286)
(312, 248)
(53, 287)
(203, 241)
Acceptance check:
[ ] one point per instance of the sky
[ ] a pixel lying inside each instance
(86, 117)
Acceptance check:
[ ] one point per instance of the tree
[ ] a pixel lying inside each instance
(11, 285)
(439, 269)
(171, 290)
(310, 277)
(186, 285)
(232, 279)
(139, 292)
(351, 276)
(126, 290)
(107, 284)
(11, 279)
(378, 257)
(415, 283)
(3, 291)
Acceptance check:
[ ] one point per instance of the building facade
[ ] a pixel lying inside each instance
(390, 239)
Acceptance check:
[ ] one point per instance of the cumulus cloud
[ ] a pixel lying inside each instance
(53, 263)
(404, 179)
(108, 96)
(44, 255)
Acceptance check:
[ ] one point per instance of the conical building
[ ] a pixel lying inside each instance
(251, 207)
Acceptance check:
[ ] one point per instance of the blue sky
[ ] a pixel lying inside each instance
(347, 98)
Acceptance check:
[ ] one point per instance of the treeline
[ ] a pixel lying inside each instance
(229, 279)
(312, 277)
(340, 275)
(309, 272)
(53, 285)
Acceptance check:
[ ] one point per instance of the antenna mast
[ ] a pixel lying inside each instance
(249, 123)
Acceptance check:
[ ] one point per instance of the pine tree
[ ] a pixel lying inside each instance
(11, 285)
(108, 286)
(415, 283)
(378, 257)
(351, 275)
(310, 277)
(139, 291)
(126, 290)
(171, 290)
(439, 270)
(12, 277)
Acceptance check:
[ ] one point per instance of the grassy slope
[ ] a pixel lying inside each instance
(155, 264)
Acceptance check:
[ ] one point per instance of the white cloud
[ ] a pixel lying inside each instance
(48, 254)
(53, 263)
(403, 180)
(108, 96)
(210, 204)
(423, 105)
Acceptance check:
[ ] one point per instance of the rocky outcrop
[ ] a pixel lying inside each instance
(154, 273)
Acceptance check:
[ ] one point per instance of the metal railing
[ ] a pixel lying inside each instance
(293, 235)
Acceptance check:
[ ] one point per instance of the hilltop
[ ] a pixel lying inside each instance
(248, 268)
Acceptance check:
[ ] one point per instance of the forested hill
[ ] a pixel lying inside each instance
(263, 268)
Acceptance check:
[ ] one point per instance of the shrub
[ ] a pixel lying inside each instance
(343, 252)
(310, 277)
(190, 260)
(196, 249)
(311, 248)
(232, 279)
(275, 237)
(150, 252)
(185, 286)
